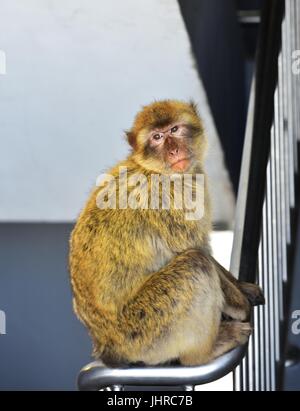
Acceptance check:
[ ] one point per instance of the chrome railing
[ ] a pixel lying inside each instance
(96, 376)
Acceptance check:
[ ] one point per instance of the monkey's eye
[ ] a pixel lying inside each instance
(157, 137)
(174, 129)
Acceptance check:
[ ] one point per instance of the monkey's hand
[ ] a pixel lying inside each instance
(253, 293)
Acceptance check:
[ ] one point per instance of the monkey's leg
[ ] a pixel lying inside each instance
(177, 309)
(253, 292)
(231, 335)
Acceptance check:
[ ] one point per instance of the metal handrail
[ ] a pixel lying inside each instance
(257, 143)
(96, 376)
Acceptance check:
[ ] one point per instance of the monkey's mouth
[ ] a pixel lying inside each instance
(182, 164)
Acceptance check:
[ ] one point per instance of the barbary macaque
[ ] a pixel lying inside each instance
(144, 281)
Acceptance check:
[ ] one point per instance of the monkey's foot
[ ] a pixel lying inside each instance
(231, 335)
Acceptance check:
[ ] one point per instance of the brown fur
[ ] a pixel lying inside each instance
(143, 280)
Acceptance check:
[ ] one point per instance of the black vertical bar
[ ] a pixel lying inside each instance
(266, 78)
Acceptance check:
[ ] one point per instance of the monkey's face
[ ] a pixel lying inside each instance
(168, 137)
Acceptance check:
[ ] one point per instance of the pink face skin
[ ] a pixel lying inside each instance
(171, 141)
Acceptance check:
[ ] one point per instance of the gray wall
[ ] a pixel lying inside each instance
(45, 345)
(77, 72)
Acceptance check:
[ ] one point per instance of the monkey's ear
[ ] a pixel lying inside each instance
(131, 138)
(194, 107)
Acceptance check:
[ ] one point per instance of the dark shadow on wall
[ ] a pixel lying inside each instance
(217, 46)
(45, 345)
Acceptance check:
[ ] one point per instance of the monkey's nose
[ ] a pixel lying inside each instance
(174, 151)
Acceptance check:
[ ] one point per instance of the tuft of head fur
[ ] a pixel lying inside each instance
(161, 113)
